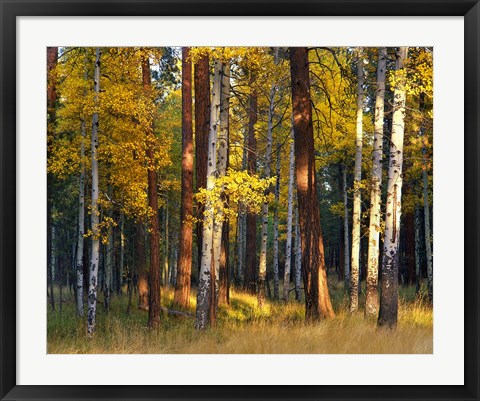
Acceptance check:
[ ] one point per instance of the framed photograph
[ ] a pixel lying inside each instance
(238, 200)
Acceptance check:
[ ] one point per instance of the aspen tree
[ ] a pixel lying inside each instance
(93, 271)
(371, 301)
(389, 284)
(357, 200)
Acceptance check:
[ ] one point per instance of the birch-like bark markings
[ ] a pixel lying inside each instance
(288, 245)
(262, 266)
(371, 302)
(426, 211)
(93, 271)
(201, 85)
(389, 286)
(184, 267)
(357, 195)
(204, 292)
(81, 222)
(222, 155)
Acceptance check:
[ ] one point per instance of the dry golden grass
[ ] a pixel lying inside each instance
(243, 328)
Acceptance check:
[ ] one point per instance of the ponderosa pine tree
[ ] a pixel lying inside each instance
(357, 195)
(317, 298)
(95, 253)
(184, 268)
(371, 301)
(389, 284)
(154, 276)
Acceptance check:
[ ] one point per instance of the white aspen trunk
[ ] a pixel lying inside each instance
(262, 266)
(357, 199)
(204, 282)
(81, 215)
(288, 247)
(371, 302)
(275, 230)
(222, 154)
(389, 288)
(298, 256)
(95, 256)
(81, 219)
(426, 210)
(417, 248)
(346, 232)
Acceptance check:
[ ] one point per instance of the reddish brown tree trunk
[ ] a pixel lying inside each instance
(154, 294)
(250, 275)
(317, 298)
(202, 129)
(184, 268)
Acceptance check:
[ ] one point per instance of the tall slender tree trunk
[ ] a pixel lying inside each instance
(288, 247)
(52, 56)
(317, 298)
(262, 266)
(184, 268)
(221, 226)
(389, 286)
(346, 232)
(357, 195)
(93, 276)
(276, 279)
(202, 129)
(298, 257)
(418, 273)
(166, 264)
(426, 211)
(81, 216)
(242, 222)
(155, 276)
(371, 302)
(108, 269)
(205, 312)
(250, 280)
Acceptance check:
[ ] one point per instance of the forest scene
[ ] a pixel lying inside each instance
(239, 200)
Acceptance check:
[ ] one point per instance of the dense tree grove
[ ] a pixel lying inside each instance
(264, 171)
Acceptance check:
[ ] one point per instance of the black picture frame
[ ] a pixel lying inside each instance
(11, 9)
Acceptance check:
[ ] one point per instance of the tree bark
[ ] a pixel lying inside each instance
(298, 257)
(202, 128)
(426, 211)
(317, 298)
(184, 268)
(389, 286)
(357, 195)
(262, 266)
(276, 278)
(222, 230)
(371, 302)
(288, 247)
(205, 312)
(154, 276)
(250, 274)
(93, 276)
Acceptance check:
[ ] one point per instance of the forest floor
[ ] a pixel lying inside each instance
(242, 328)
